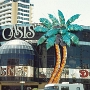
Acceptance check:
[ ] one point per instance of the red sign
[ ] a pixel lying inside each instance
(84, 73)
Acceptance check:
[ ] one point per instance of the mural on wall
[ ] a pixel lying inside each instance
(25, 71)
(66, 73)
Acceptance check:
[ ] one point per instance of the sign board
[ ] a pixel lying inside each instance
(25, 71)
(66, 73)
(24, 32)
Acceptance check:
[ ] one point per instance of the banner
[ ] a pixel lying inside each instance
(66, 73)
(24, 71)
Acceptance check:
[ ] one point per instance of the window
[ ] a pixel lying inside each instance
(52, 88)
(64, 88)
(13, 62)
(78, 88)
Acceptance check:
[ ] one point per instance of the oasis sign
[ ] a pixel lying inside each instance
(17, 31)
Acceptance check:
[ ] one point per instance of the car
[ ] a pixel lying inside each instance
(64, 86)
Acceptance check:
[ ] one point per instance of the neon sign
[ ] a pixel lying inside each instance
(18, 32)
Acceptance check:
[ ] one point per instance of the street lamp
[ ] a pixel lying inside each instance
(22, 81)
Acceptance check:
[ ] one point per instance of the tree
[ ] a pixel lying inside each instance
(57, 32)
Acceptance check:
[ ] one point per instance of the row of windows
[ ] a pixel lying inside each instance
(5, 14)
(9, 22)
(23, 5)
(22, 22)
(5, 6)
(5, 18)
(79, 51)
(77, 57)
(27, 1)
(84, 36)
(71, 62)
(5, 1)
(5, 10)
(23, 10)
(17, 60)
(15, 51)
(23, 18)
(82, 61)
(23, 14)
(6, 22)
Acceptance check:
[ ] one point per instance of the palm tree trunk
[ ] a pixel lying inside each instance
(63, 62)
(58, 60)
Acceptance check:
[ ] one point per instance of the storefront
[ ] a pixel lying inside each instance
(22, 61)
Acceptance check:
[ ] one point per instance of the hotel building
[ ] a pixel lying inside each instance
(15, 12)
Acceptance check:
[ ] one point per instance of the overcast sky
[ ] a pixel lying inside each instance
(69, 7)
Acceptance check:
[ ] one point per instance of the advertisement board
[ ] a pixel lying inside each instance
(25, 71)
(66, 73)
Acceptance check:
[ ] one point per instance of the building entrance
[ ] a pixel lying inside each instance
(26, 87)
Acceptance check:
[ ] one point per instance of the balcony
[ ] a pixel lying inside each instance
(5, 8)
(6, 12)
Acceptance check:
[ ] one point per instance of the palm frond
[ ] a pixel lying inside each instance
(51, 32)
(61, 18)
(50, 42)
(72, 19)
(66, 39)
(41, 40)
(63, 31)
(74, 38)
(55, 21)
(74, 27)
(40, 29)
(46, 22)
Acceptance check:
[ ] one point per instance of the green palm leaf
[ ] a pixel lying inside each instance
(61, 18)
(74, 27)
(74, 38)
(50, 42)
(40, 29)
(46, 22)
(63, 31)
(72, 19)
(51, 29)
(55, 21)
(51, 32)
(41, 40)
(66, 39)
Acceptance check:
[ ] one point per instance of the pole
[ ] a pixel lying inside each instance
(22, 81)
(21, 86)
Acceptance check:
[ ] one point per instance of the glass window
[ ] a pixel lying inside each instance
(13, 62)
(18, 13)
(27, 1)
(52, 88)
(64, 88)
(78, 88)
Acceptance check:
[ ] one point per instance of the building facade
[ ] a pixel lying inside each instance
(15, 12)
(24, 64)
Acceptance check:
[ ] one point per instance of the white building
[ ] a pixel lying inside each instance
(15, 12)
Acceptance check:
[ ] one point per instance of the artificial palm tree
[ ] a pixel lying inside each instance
(57, 32)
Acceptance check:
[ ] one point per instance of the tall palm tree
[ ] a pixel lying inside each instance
(57, 32)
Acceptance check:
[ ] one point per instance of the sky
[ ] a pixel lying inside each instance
(69, 8)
